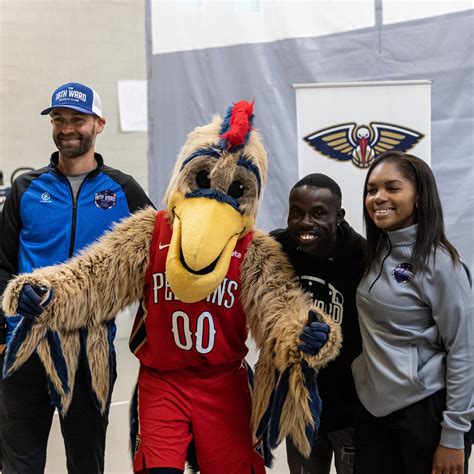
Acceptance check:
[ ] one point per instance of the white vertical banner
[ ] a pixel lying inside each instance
(342, 126)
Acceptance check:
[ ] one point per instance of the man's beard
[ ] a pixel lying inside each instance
(78, 149)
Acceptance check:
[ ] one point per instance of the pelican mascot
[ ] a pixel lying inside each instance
(203, 276)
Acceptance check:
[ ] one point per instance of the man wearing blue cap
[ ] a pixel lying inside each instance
(49, 216)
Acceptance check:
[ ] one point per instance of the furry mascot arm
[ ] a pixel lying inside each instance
(91, 288)
(277, 308)
(285, 400)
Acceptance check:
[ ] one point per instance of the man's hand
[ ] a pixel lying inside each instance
(448, 461)
(2, 348)
(314, 336)
(33, 300)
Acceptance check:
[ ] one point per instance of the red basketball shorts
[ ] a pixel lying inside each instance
(211, 405)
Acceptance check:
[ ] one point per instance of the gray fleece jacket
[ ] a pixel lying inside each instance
(417, 334)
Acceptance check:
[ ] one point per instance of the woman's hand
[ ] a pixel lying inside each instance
(448, 461)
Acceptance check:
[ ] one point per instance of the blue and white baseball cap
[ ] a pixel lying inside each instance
(75, 96)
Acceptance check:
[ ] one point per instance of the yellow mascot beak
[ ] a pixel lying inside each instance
(205, 232)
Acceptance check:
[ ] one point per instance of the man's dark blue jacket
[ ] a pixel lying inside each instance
(43, 224)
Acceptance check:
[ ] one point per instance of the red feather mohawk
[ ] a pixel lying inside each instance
(237, 125)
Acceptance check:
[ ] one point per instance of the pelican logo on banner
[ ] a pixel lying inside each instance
(361, 143)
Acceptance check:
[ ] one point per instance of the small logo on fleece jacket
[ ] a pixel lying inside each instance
(403, 273)
(105, 199)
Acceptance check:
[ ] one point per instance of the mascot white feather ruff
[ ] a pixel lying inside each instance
(212, 202)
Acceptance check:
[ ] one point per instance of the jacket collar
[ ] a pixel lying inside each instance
(405, 236)
(54, 160)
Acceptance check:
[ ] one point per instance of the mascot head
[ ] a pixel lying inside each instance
(212, 200)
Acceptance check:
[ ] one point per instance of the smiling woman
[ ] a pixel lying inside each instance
(414, 312)
(391, 198)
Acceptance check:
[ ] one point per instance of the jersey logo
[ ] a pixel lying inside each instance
(236, 254)
(45, 197)
(163, 246)
(105, 199)
(361, 143)
(403, 273)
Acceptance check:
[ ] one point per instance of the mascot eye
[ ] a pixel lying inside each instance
(202, 179)
(236, 189)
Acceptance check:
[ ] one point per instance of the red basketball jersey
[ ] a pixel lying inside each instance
(169, 334)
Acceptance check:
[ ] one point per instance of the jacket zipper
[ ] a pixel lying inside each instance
(56, 170)
(74, 216)
(383, 262)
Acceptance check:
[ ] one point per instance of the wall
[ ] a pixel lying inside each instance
(44, 43)
(187, 87)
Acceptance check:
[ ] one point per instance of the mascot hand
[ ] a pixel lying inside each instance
(314, 336)
(32, 300)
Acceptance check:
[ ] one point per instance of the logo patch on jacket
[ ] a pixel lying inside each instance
(45, 197)
(105, 199)
(403, 273)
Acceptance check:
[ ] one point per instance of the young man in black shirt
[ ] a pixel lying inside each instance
(328, 258)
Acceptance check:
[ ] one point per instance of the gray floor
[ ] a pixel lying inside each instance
(117, 459)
